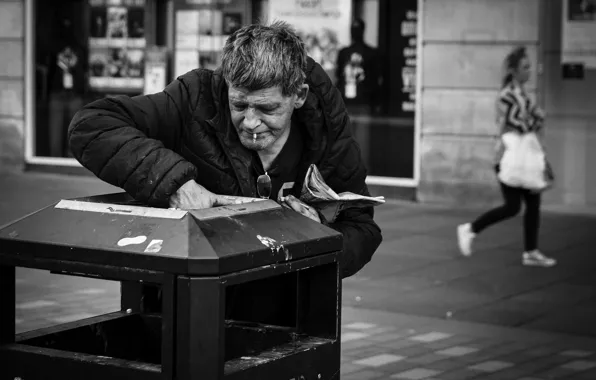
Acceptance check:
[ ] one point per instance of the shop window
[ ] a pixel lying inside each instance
(368, 48)
(377, 77)
(86, 50)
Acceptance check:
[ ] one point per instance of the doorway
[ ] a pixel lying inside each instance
(385, 126)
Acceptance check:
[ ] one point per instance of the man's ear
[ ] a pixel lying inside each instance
(301, 96)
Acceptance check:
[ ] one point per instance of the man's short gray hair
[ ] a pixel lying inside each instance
(257, 57)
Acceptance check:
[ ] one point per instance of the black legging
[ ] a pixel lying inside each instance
(512, 206)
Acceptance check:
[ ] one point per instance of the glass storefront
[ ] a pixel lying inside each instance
(88, 49)
(381, 97)
(85, 50)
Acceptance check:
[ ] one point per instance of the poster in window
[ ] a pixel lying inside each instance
(324, 26)
(201, 29)
(155, 69)
(210, 22)
(116, 45)
(408, 59)
(578, 33)
(117, 23)
(135, 59)
(186, 60)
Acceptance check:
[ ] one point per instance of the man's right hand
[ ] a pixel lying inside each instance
(192, 196)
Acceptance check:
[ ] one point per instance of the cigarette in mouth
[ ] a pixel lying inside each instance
(254, 137)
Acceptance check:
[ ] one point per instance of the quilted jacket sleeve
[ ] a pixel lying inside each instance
(129, 141)
(344, 170)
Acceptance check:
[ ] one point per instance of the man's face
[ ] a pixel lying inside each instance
(262, 118)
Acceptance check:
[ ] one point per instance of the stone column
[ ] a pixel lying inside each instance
(12, 83)
(464, 45)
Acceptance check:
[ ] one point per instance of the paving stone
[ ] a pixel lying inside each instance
(485, 343)
(350, 336)
(416, 374)
(480, 356)
(386, 337)
(347, 368)
(460, 374)
(498, 350)
(427, 358)
(359, 326)
(556, 373)
(399, 344)
(542, 351)
(458, 340)
(538, 365)
(364, 352)
(32, 305)
(380, 331)
(379, 360)
(400, 366)
(457, 351)
(448, 365)
(413, 351)
(363, 375)
(355, 343)
(512, 373)
(430, 337)
(491, 366)
(577, 353)
(586, 375)
(516, 357)
(579, 365)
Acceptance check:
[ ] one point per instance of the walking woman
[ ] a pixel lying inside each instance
(516, 112)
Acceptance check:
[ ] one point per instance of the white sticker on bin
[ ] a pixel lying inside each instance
(109, 208)
(132, 240)
(154, 246)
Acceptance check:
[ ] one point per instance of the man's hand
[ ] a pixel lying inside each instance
(192, 196)
(295, 204)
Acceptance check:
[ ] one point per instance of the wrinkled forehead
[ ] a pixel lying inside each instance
(266, 95)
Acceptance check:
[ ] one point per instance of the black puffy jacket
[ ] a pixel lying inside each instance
(151, 145)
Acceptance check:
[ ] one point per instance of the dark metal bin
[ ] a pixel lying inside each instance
(239, 292)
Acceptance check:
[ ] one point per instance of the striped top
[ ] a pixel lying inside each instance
(517, 112)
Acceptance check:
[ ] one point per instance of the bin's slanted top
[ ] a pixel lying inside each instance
(115, 230)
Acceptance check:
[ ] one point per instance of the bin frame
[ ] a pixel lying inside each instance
(183, 299)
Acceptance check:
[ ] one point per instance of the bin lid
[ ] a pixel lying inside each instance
(114, 229)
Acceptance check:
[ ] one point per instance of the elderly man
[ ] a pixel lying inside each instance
(264, 116)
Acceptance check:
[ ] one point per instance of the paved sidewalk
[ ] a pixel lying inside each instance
(417, 311)
(418, 271)
(382, 345)
(375, 344)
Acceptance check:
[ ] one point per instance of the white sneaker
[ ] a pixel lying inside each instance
(465, 237)
(537, 259)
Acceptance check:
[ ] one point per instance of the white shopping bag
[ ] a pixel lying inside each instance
(523, 163)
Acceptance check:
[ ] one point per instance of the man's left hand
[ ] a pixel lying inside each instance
(295, 204)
